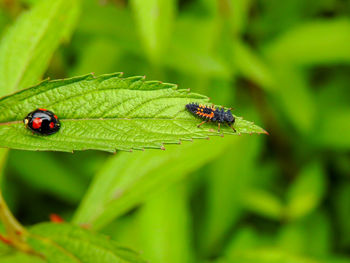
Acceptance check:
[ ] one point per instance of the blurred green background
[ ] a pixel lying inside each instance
(278, 198)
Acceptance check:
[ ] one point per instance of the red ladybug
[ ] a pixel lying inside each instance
(42, 121)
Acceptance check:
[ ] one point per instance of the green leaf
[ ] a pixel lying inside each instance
(27, 47)
(306, 237)
(264, 203)
(251, 66)
(107, 113)
(68, 243)
(307, 191)
(228, 179)
(313, 43)
(239, 17)
(20, 257)
(62, 182)
(333, 131)
(164, 227)
(118, 188)
(154, 19)
(273, 255)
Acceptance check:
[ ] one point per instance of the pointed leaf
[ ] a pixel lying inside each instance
(27, 47)
(118, 188)
(107, 113)
(68, 243)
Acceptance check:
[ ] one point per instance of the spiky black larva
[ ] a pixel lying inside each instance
(212, 113)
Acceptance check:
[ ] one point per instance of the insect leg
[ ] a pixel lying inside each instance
(199, 125)
(232, 127)
(219, 126)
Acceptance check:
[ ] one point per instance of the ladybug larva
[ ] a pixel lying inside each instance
(211, 114)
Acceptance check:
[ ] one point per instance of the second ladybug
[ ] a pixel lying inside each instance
(42, 121)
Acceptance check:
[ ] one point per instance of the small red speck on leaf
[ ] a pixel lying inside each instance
(5, 240)
(85, 226)
(37, 123)
(54, 218)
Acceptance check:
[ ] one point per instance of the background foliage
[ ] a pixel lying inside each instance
(284, 64)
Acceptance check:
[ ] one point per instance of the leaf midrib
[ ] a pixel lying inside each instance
(103, 119)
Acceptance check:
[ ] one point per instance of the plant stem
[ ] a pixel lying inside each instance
(15, 232)
(12, 226)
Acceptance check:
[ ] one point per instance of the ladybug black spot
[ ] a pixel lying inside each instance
(42, 121)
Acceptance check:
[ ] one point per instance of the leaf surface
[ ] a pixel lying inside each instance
(107, 113)
(154, 19)
(117, 188)
(68, 243)
(27, 47)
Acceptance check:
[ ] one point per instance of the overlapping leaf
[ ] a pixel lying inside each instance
(107, 113)
(70, 244)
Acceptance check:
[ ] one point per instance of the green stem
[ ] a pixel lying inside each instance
(15, 232)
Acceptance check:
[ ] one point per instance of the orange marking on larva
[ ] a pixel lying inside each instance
(42, 109)
(37, 123)
(55, 117)
(211, 115)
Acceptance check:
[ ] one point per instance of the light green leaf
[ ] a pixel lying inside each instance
(154, 19)
(251, 66)
(274, 255)
(107, 113)
(239, 17)
(307, 191)
(164, 227)
(263, 203)
(313, 43)
(67, 243)
(228, 179)
(27, 47)
(21, 257)
(312, 235)
(295, 98)
(118, 188)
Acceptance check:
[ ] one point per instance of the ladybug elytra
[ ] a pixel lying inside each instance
(42, 121)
